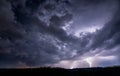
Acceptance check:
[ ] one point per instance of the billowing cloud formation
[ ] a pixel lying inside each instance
(57, 33)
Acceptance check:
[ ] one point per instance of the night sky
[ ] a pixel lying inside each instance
(59, 33)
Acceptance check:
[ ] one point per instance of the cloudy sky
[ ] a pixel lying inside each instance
(59, 33)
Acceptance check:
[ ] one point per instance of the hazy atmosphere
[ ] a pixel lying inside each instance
(59, 33)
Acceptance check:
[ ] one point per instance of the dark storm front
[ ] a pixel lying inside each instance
(59, 33)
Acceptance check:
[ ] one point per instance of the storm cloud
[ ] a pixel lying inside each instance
(77, 33)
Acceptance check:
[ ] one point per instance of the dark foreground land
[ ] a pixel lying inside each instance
(114, 71)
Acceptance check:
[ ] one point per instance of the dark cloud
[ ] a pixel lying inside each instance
(109, 35)
(25, 38)
(34, 4)
(92, 13)
(32, 34)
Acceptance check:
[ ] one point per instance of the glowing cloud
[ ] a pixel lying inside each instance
(90, 29)
(95, 60)
(86, 61)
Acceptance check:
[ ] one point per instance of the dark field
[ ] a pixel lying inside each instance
(114, 71)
